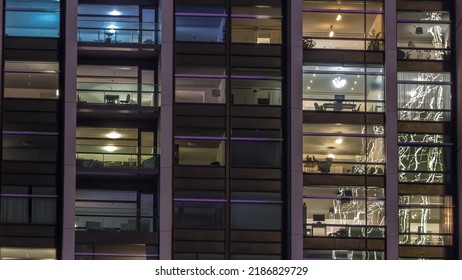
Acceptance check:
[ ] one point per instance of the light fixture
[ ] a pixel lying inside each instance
(314, 75)
(330, 153)
(339, 17)
(114, 13)
(262, 6)
(352, 88)
(338, 141)
(331, 33)
(339, 82)
(308, 87)
(356, 82)
(113, 135)
(57, 92)
(112, 28)
(110, 148)
(311, 81)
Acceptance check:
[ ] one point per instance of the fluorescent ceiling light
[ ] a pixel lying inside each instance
(114, 13)
(110, 148)
(113, 135)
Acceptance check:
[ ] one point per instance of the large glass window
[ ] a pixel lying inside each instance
(32, 18)
(116, 85)
(356, 25)
(343, 88)
(424, 96)
(425, 220)
(423, 35)
(116, 148)
(117, 24)
(31, 79)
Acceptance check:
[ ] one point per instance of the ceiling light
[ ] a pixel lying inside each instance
(412, 93)
(339, 17)
(331, 33)
(114, 13)
(113, 135)
(352, 88)
(262, 6)
(339, 82)
(311, 81)
(57, 92)
(314, 75)
(356, 82)
(331, 155)
(110, 148)
(308, 87)
(338, 141)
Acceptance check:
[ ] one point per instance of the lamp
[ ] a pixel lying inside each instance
(330, 153)
(331, 33)
(339, 17)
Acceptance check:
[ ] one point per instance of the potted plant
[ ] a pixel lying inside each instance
(308, 43)
(376, 44)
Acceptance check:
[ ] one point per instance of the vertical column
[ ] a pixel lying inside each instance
(70, 126)
(166, 131)
(458, 69)
(391, 131)
(294, 125)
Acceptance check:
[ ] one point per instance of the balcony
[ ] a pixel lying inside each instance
(118, 94)
(115, 219)
(116, 157)
(102, 32)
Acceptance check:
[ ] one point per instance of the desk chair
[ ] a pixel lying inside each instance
(338, 106)
(357, 108)
(318, 107)
(127, 100)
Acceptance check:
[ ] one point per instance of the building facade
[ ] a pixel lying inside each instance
(230, 129)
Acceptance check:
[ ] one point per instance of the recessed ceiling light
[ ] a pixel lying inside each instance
(331, 155)
(314, 75)
(352, 88)
(311, 81)
(338, 141)
(308, 87)
(110, 148)
(339, 17)
(114, 13)
(356, 82)
(113, 135)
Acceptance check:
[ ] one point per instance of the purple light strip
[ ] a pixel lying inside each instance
(9, 132)
(201, 15)
(199, 200)
(224, 201)
(255, 77)
(199, 138)
(345, 11)
(345, 197)
(28, 196)
(257, 139)
(115, 255)
(255, 16)
(200, 76)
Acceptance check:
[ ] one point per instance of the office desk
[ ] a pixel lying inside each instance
(111, 99)
(341, 106)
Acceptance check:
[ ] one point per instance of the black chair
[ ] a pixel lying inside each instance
(127, 100)
(338, 106)
(357, 108)
(318, 107)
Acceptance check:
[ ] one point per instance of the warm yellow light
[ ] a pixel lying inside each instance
(331, 33)
(331, 155)
(110, 148)
(338, 18)
(338, 141)
(113, 135)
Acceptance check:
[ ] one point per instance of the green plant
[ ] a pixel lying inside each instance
(376, 44)
(308, 43)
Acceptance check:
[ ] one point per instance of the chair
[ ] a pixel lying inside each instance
(318, 107)
(127, 100)
(338, 106)
(357, 108)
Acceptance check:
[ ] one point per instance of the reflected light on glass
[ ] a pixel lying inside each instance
(114, 13)
(339, 82)
(113, 135)
(110, 148)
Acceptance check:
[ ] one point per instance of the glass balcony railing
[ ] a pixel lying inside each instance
(350, 105)
(335, 167)
(341, 231)
(112, 156)
(118, 32)
(424, 54)
(127, 94)
(115, 219)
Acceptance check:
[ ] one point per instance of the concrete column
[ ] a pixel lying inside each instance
(391, 131)
(295, 128)
(458, 60)
(166, 131)
(70, 126)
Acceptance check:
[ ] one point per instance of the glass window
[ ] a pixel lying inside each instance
(424, 96)
(200, 152)
(423, 35)
(199, 215)
(31, 79)
(37, 18)
(343, 88)
(256, 216)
